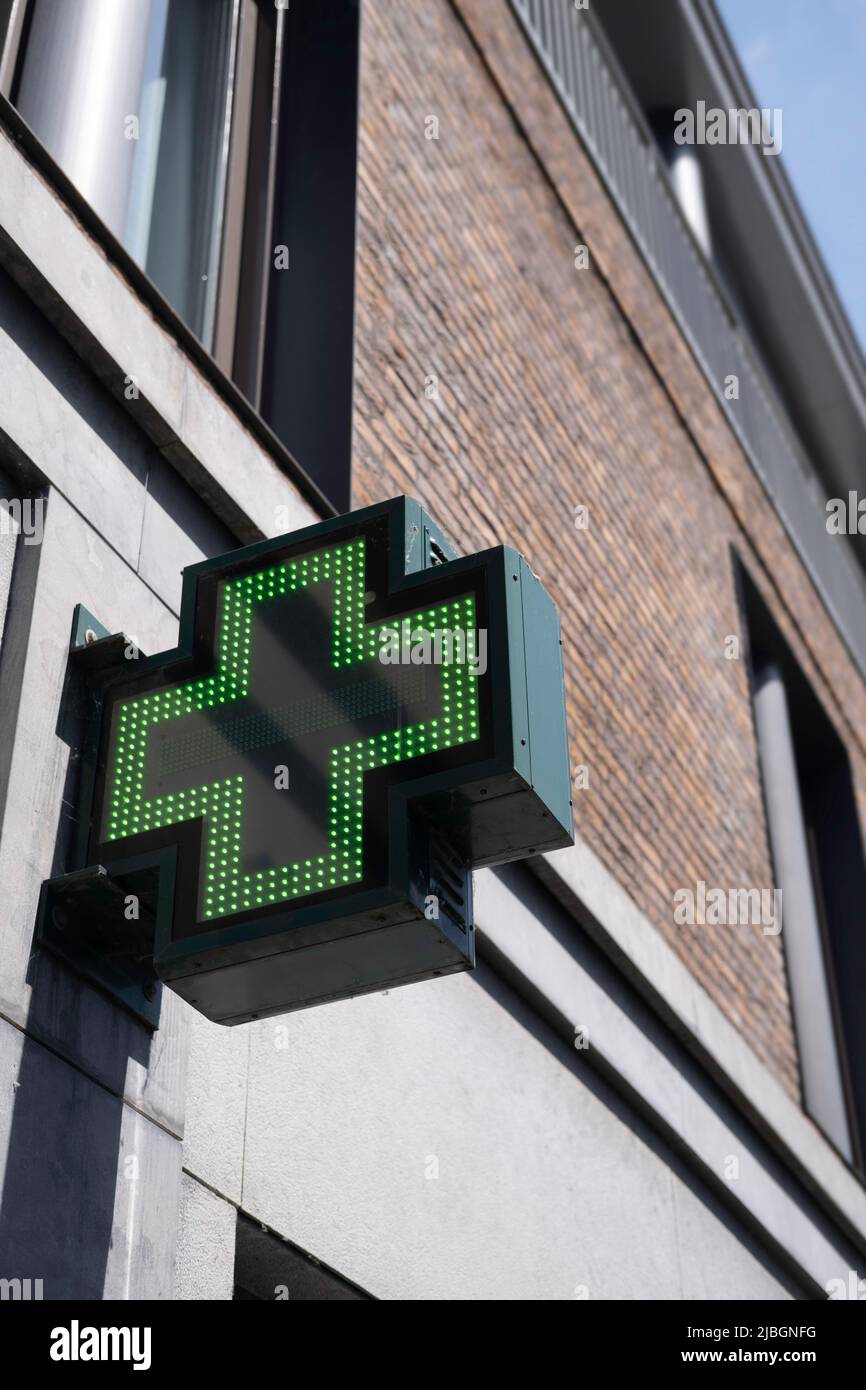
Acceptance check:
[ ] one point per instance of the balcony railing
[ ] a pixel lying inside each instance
(603, 112)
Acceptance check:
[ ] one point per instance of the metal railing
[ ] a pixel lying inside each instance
(603, 111)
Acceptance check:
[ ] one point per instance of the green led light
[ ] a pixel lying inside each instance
(225, 889)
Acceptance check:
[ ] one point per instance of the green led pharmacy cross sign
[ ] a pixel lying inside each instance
(272, 749)
(352, 721)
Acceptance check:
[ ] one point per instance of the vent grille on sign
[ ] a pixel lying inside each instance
(448, 882)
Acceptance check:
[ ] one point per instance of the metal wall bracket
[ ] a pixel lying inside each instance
(93, 649)
(101, 922)
(84, 919)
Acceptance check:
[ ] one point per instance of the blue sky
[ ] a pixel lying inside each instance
(809, 58)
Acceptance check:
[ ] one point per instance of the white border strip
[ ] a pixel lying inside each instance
(592, 895)
(545, 963)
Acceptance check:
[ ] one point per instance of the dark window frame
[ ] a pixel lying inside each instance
(287, 336)
(836, 844)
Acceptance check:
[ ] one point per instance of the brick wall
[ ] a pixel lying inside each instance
(558, 388)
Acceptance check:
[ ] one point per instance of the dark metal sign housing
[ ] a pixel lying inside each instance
(296, 794)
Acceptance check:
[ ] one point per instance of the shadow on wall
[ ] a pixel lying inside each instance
(58, 1202)
(268, 1269)
(62, 1195)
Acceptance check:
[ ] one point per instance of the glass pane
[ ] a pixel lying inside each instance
(131, 99)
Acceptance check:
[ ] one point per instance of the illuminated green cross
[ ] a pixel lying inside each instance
(225, 887)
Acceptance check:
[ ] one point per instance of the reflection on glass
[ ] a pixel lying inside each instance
(130, 97)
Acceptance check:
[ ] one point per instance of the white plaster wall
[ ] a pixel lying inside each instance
(544, 1189)
(205, 1244)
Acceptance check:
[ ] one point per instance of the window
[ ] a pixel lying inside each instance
(216, 139)
(131, 101)
(819, 864)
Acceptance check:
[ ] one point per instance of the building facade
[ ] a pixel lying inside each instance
(448, 250)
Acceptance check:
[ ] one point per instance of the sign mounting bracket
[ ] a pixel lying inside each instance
(286, 808)
(78, 913)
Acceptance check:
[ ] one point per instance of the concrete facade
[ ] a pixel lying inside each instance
(609, 1107)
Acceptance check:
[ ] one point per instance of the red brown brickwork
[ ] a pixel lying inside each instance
(560, 387)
